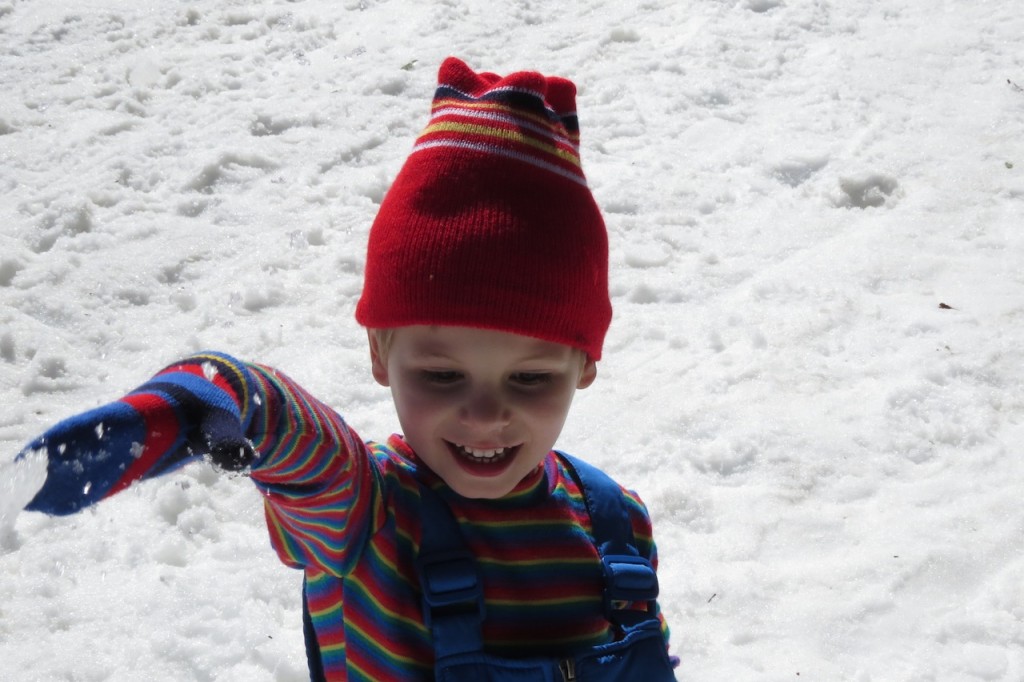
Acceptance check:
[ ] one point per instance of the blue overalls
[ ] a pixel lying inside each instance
(453, 603)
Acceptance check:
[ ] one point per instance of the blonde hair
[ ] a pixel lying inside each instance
(383, 338)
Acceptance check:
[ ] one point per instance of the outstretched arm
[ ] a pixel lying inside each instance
(201, 405)
(317, 480)
(316, 476)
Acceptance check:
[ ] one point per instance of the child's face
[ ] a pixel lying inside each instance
(481, 408)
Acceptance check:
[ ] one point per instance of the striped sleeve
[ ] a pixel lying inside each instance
(315, 476)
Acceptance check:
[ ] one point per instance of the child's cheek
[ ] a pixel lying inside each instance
(421, 401)
(549, 403)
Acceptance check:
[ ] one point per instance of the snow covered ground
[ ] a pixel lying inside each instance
(815, 374)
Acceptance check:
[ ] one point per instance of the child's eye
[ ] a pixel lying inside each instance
(441, 376)
(531, 378)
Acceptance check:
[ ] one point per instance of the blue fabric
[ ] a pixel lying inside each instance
(640, 655)
(452, 597)
(168, 421)
(86, 455)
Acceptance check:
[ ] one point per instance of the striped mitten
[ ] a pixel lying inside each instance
(199, 406)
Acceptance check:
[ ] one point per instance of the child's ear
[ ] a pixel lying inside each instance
(588, 374)
(378, 364)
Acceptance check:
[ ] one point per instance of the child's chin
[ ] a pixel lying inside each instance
(481, 489)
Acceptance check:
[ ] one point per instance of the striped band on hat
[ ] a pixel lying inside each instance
(512, 122)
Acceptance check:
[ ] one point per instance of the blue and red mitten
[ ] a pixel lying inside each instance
(199, 406)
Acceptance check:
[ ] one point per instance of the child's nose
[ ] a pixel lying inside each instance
(485, 408)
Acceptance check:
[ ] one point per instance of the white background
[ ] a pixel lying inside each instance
(793, 190)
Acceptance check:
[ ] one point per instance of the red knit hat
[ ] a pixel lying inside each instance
(490, 222)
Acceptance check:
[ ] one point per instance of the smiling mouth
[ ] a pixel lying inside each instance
(483, 455)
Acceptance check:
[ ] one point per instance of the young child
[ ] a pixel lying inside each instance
(465, 549)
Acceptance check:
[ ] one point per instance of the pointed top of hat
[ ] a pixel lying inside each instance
(525, 116)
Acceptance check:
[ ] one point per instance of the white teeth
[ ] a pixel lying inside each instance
(482, 454)
(487, 454)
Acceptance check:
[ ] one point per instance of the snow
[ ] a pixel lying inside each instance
(814, 375)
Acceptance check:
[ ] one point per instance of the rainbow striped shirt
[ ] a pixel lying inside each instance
(346, 512)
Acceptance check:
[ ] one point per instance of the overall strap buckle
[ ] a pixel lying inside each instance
(630, 579)
(451, 585)
(453, 594)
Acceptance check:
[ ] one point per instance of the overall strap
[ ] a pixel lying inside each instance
(628, 577)
(453, 603)
(453, 597)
